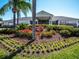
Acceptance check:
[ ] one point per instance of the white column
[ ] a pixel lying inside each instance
(50, 21)
(36, 21)
(77, 24)
(58, 22)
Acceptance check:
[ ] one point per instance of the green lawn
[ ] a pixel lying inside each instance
(3, 53)
(71, 52)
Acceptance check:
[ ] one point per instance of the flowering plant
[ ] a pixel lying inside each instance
(25, 30)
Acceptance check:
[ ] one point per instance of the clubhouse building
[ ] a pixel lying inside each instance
(44, 17)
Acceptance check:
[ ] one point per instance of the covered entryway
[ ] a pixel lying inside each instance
(43, 21)
(44, 17)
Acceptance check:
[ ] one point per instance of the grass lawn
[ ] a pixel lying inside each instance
(71, 52)
(3, 53)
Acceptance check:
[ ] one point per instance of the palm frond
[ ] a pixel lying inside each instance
(24, 7)
(5, 8)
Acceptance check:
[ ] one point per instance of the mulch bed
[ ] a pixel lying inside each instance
(38, 39)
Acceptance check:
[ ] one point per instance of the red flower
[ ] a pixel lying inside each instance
(25, 30)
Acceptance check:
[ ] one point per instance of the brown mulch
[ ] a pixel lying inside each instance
(2, 46)
(25, 40)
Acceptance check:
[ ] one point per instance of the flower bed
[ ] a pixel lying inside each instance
(36, 48)
(48, 46)
(10, 44)
(25, 30)
(28, 33)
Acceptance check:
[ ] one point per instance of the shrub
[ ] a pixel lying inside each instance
(65, 33)
(25, 30)
(49, 27)
(59, 27)
(66, 27)
(29, 27)
(21, 26)
(44, 25)
(75, 32)
(53, 32)
(39, 28)
(7, 31)
(27, 35)
(46, 34)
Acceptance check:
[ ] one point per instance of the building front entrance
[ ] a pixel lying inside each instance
(43, 21)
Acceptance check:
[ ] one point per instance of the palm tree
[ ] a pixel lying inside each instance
(23, 7)
(33, 18)
(16, 6)
(1, 21)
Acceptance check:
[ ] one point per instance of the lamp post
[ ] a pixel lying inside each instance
(33, 18)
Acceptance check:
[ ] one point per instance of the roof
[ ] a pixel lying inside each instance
(44, 14)
(64, 18)
(10, 21)
(26, 18)
(23, 18)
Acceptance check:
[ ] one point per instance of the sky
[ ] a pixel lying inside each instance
(68, 8)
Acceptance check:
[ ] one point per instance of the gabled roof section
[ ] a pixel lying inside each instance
(65, 18)
(43, 14)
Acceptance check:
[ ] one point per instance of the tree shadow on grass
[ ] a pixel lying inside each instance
(18, 51)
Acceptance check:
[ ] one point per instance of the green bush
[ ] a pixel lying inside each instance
(75, 32)
(24, 35)
(53, 32)
(43, 25)
(66, 27)
(21, 26)
(57, 28)
(49, 27)
(3, 53)
(65, 33)
(29, 27)
(46, 34)
(7, 31)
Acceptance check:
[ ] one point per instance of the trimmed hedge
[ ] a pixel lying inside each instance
(48, 34)
(24, 35)
(64, 30)
(21, 26)
(65, 33)
(59, 27)
(7, 31)
(75, 32)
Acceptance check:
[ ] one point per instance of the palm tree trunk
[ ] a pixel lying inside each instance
(18, 16)
(14, 19)
(33, 18)
(14, 12)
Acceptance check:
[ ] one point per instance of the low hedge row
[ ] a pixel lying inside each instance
(24, 35)
(21, 26)
(64, 30)
(47, 34)
(67, 33)
(7, 31)
(59, 27)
